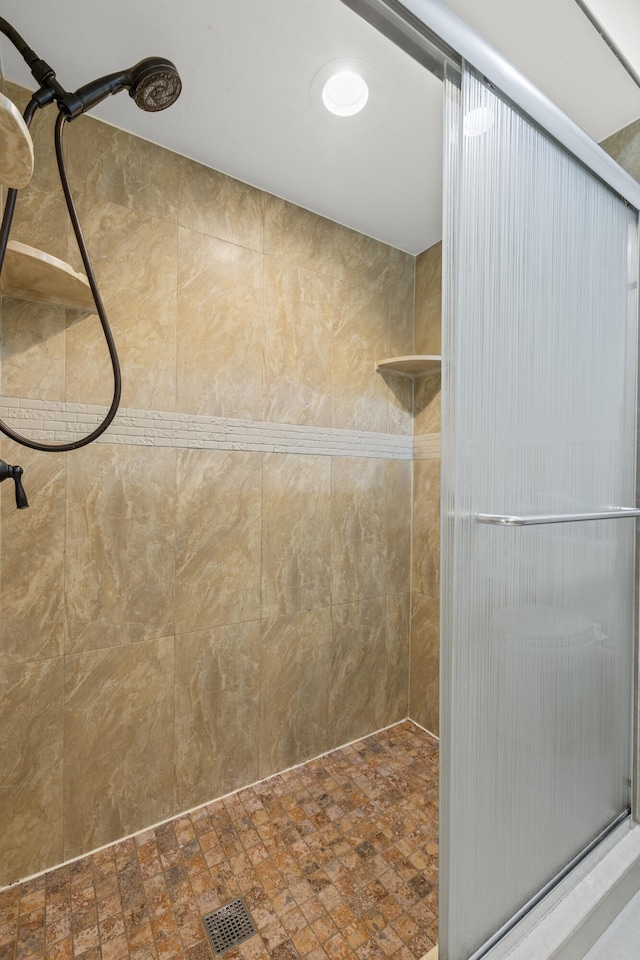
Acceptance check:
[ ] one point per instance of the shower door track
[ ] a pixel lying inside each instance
(553, 884)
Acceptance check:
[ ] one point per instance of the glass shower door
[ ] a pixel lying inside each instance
(539, 435)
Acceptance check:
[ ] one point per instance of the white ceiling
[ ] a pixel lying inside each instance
(247, 68)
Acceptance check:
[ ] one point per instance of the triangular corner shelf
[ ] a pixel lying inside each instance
(30, 274)
(415, 365)
(16, 156)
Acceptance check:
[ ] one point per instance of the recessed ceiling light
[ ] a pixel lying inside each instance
(345, 93)
(342, 88)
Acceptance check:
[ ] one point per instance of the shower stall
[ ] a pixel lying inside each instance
(540, 345)
(137, 647)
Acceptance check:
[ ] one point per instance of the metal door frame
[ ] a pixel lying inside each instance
(433, 35)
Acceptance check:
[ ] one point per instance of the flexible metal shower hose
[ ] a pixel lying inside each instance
(106, 329)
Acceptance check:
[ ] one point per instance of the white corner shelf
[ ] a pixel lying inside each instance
(416, 365)
(16, 157)
(30, 274)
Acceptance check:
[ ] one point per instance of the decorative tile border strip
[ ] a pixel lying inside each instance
(55, 421)
(426, 446)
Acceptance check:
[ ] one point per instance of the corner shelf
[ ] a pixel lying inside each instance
(416, 365)
(30, 274)
(16, 158)
(27, 273)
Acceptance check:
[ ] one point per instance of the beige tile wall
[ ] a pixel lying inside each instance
(624, 147)
(179, 622)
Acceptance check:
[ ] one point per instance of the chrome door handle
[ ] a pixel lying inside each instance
(506, 521)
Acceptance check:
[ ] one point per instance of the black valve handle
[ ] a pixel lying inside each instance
(7, 471)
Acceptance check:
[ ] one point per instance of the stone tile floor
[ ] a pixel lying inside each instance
(336, 858)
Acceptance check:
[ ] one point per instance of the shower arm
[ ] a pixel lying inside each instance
(69, 106)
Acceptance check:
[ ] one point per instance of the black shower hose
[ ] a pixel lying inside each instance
(32, 106)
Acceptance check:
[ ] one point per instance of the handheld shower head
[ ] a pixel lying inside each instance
(153, 83)
(156, 84)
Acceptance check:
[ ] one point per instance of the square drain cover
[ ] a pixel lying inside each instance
(228, 926)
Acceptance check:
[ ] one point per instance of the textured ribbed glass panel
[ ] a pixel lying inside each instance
(539, 388)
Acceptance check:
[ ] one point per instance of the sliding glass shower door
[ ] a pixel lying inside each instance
(539, 435)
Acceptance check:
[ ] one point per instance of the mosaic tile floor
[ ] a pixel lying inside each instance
(336, 858)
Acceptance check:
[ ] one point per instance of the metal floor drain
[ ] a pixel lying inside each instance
(228, 926)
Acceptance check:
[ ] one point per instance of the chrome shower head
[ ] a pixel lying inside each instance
(153, 83)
